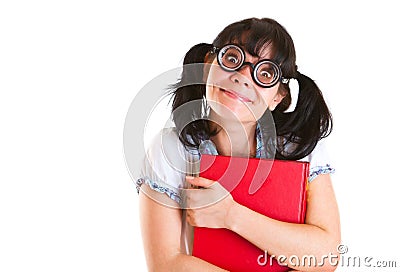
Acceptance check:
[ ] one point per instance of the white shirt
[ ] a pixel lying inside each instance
(167, 163)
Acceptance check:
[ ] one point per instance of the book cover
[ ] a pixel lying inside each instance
(273, 188)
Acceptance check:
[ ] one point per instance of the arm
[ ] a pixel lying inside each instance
(161, 230)
(319, 236)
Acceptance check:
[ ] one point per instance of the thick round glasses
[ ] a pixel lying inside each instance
(265, 73)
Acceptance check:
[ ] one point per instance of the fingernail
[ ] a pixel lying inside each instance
(189, 177)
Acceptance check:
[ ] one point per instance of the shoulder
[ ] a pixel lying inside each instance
(320, 162)
(164, 165)
(166, 141)
(166, 152)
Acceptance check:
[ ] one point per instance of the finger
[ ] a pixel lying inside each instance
(189, 218)
(192, 197)
(199, 181)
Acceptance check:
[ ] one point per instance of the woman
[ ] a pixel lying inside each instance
(250, 74)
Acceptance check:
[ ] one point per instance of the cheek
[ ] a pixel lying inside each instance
(268, 95)
(216, 75)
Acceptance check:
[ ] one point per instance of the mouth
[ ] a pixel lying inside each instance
(235, 95)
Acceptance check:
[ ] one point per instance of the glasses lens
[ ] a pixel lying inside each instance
(231, 57)
(267, 73)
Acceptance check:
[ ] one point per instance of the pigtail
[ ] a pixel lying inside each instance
(298, 132)
(190, 89)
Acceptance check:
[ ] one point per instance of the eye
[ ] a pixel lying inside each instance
(230, 57)
(266, 74)
(233, 59)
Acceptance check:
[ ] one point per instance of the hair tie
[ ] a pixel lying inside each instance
(294, 93)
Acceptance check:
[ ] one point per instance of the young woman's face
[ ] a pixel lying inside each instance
(236, 94)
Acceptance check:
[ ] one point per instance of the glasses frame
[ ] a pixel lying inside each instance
(221, 51)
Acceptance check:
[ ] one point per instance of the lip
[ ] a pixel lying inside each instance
(234, 94)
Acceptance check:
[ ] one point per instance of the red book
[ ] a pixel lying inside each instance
(274, 188)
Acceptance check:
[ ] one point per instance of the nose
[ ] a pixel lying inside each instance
(243, 76)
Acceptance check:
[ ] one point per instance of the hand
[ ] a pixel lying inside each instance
(209, 206)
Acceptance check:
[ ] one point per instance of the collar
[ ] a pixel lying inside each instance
(209, 148)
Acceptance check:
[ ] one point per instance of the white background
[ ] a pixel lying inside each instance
(70, 69)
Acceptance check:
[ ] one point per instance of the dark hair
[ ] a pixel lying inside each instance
(297, 132)
(189, 121)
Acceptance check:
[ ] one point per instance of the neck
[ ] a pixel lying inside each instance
(235, 138)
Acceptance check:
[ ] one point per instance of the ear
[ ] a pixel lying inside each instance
(276, 100)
